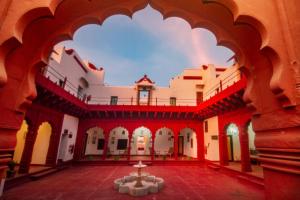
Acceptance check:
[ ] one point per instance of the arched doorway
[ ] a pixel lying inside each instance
(187, 144)
(21, 138)
(118, 143)
(41, 145)
(240, 24)
(141, 144)
(94, 143)
(233, 142)
(164, 144)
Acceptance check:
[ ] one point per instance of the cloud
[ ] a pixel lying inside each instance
(176, 33)
(170, 46)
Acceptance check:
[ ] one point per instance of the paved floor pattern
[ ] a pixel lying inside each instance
(96, 183)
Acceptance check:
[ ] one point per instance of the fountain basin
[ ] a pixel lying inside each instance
(150, 184)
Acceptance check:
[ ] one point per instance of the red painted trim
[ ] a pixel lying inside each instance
(145, 78)
(69, 51)
(46, 83)
(92, 66)
(80, 64)
(240, 85)
(192, 78)
(240, 117)
(220, 69)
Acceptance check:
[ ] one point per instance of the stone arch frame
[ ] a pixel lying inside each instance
(124, 128)
(150, 129)
(272, 43)
(238, 136)
(35, 117)
(164, 127)
(52, 137)
(243, 140)
(195, 130)
(254, 24)
(85, 136)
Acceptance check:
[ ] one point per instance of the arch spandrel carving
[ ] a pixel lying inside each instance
(20, 14)
(236, 25)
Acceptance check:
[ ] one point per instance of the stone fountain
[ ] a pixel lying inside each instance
(139, 183)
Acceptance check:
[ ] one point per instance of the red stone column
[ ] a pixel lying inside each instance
(223, 149)
(152, 149)
(81, 140)
(245, 154)
(28, 148)
(129, 145)
(54, 143)
(200, 143)
(106, 138)
(176, 133)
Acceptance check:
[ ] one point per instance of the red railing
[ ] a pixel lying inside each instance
(233, 77)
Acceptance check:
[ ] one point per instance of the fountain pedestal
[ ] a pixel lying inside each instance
(139, 166)
(139, 184)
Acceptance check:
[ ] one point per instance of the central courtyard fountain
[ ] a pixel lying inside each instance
(139, 183)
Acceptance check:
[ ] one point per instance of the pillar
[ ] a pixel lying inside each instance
(223, 149)
(28, 148)
(129, 145)
(245, 154)
(176, 134)
(54, 143)
(200, 142)
(106, 138)
(152, 149)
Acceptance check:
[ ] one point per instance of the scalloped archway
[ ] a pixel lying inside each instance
(265, 55)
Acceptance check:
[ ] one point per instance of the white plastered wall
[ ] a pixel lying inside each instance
(164, 141)
(142, 131)
(66, 65)
(211, 145)
(70, 123)
(93, 134)
(114, 136)
(212, 83)
(187, 149)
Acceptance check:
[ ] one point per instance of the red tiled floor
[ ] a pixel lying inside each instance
(96, 182)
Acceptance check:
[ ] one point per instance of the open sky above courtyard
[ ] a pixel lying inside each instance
(146, 44)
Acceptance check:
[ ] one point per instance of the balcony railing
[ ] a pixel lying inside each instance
(224, 83)
(68, 86)
(134, 101)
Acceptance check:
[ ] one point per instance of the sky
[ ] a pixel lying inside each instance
(146, 44)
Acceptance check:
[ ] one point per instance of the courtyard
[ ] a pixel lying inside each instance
(96, 182)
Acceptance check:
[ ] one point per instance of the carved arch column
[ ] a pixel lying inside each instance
(28, 148)
(176, 133)
(200, 141)
(244, 145)
(130, 133)
(106, 133)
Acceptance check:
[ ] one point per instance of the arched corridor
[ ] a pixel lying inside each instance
(118, 144)
(141, 144)
(187, 144)
(233, 142)
(41, 145)
(94, 142)
(263, 36)
(164, 144)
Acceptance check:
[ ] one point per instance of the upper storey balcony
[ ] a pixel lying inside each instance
(224, 94)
